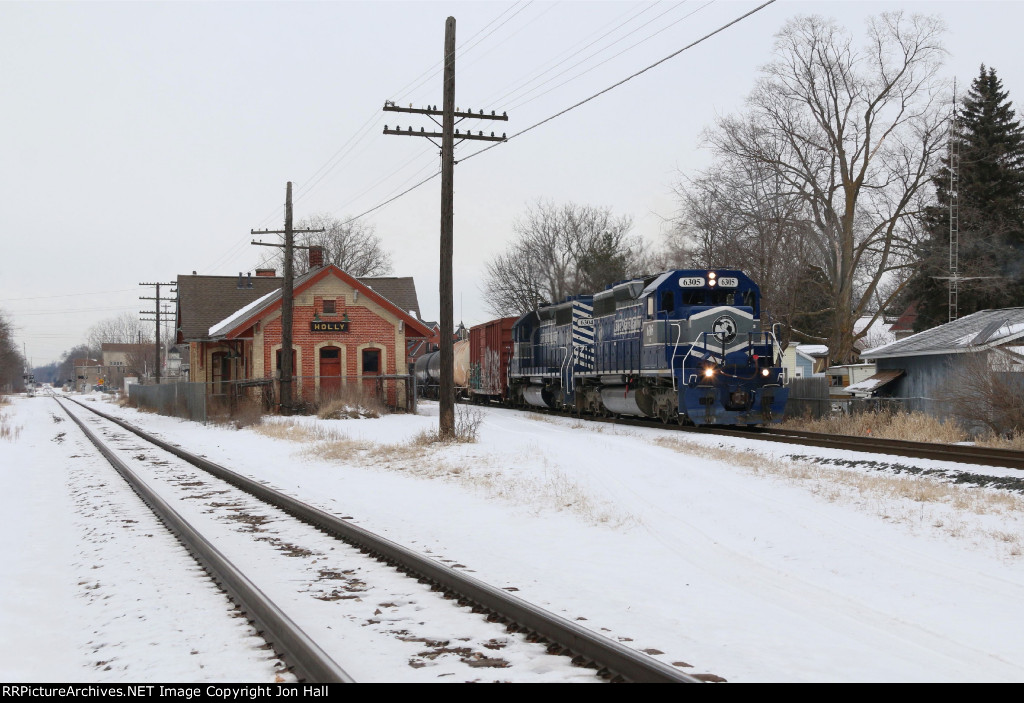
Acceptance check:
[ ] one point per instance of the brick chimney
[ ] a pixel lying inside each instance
(266, 273)
(316, 257)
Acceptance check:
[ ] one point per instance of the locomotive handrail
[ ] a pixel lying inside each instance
(675, 353)
(561, 369)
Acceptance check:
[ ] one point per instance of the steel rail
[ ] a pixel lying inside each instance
(1013, 457)
(566, 636)
(310, 662)
(964, 454)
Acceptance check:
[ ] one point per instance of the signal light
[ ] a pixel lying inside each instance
(765, 372)
(709, 371)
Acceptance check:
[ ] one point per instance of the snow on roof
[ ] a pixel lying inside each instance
(869, 385)
(813, 349)
(975, 332)
(222, 327)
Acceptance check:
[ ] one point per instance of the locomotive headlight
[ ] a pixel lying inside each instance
(709, 371)
(712, 282)
(712, 275)
(765, 372)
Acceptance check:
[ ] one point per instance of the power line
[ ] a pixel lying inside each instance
(435, 70)
(610, 58)
(67, 295)
(327, 167)
(628, 78)
(573, 107)
(579, 51)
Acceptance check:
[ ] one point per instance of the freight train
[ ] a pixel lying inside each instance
(682, 346)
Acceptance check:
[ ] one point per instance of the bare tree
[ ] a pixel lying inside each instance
(560, 251)
(853, 133)
(739, 214)
(984, 391)
(12, 364)
(354, 247)
(122, 329)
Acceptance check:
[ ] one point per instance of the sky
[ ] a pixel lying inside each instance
(747, 560)
(140, 141)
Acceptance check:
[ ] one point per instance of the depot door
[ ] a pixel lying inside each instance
(220, 364)
(330, 371)
(371, 367)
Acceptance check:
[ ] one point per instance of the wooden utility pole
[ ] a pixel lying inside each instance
(448, 136)
(286, 297)
(158, 299)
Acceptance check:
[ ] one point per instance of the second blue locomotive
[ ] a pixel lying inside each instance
(683, 346)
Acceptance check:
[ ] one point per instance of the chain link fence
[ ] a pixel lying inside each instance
(249, 399)
(809, 397)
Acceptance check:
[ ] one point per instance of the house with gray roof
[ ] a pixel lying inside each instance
(922, 367)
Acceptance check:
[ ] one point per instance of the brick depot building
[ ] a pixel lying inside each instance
(342, 327)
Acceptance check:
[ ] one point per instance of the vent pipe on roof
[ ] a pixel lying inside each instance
(241, 283)
(248, 280)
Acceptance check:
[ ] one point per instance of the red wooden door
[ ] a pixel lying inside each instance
(330, 371)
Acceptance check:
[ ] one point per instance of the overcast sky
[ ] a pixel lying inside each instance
(144, 140)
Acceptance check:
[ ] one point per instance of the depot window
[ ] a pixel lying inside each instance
(330, 307)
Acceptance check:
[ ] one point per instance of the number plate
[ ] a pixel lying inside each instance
(694, 282)
(728, 282)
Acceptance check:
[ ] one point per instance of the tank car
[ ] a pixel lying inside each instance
(428, 371)
(683, 346)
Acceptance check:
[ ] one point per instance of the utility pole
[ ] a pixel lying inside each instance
(156, 341)
(448, 135)
(286, 296)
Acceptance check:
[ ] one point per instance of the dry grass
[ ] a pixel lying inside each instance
(468, 419)
(1013, 441)
(350, 403)
(916, 426)
(916, 501)
(247, 413)
(8, 430)
(425, 457)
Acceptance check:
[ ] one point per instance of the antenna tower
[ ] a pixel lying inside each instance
(954, 212)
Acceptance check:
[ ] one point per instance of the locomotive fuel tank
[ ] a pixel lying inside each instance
(623, 400)
(539, 396)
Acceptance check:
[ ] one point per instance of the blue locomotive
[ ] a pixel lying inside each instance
(682, 346)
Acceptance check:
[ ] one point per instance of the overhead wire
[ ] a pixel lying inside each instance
(461, 49)
(581, 102)
(572, 52)
(626, 79)
(578, 104)
(375, 118)
(597, 65)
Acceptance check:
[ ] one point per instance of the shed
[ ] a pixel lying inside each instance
(928, 359)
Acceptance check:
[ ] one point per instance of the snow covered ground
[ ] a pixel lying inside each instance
(725, 557)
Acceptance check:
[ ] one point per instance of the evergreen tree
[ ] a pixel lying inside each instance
(990, 207)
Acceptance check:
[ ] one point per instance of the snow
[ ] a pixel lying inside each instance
(225, 325)
(749, 560)
(813, 349)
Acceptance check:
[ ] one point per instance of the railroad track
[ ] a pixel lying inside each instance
(967, 454)
(311, 662)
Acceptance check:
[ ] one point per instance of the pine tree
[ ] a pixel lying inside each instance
(991, 211)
